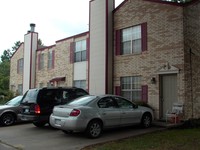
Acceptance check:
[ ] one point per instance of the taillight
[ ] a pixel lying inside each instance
(75, 112)
(37, 109)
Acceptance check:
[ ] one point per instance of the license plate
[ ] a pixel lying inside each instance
(26, 110)
(58, 121)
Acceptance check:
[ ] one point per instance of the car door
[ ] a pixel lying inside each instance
(130, 114)
(109, 112)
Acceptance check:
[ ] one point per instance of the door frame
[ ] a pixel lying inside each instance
(161, 102)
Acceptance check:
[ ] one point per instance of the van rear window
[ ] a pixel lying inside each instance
(30, 96)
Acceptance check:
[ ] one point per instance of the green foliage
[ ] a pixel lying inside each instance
(16, 46)
(7, 54)
(5, 93)
(174, 139)
(40, 42)
(6, 96)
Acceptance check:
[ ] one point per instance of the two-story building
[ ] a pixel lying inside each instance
(144, 50)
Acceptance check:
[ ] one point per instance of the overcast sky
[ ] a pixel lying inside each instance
(54, 19)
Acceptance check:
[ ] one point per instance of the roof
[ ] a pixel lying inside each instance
(170, 2)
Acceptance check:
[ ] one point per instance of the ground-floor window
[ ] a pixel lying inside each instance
(131, 88)
(80, 84)
(19, 91)
(41, 85)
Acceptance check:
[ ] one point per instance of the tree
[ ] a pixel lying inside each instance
(7, 54)
(40, 42)
(16, 46)
(5, 71)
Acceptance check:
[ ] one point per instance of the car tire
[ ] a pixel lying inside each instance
(39, 124)
(146, 120)
(8, 119)
(94, 129)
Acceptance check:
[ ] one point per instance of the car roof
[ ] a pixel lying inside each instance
(107, 95)
(55, 88)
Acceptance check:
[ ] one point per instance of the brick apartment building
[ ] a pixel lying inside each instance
(145, 50)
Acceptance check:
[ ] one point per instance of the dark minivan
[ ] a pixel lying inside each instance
(37, 104)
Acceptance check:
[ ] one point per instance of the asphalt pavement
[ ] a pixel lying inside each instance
(78, 144)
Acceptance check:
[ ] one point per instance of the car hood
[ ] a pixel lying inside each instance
(5, 106)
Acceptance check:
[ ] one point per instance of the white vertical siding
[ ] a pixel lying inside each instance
(98, 69)
(80, 71)
(30, 46)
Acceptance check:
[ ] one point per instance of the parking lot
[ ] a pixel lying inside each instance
(28, 137)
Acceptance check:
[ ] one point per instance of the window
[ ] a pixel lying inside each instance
(50, 59)
(80, 51)
(20, 65)
(80, 84)
(41, 61)
(131, 88)
(20, 89)
(41, 85)
(131, 40)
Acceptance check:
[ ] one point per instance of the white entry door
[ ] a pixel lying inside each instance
(168, 92)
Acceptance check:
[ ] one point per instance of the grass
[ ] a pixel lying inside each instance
(172, 139)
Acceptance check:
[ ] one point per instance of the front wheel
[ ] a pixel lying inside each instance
(146, 120)
(94, 129)
(7, 119)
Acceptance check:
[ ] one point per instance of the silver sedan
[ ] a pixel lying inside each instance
(93, 114)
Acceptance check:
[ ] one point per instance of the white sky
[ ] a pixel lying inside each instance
(54, 19)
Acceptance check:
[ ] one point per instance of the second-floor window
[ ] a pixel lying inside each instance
(41, 61)
(51, 59)
(20, 66)
(80, 51)
(131, 40)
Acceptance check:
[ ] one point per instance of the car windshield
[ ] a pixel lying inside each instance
(15, 101)
(82, 101)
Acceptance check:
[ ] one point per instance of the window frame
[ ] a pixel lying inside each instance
(80, 84)
(50, 63)
(133, 81)
(20, 66)
(130, 36)
(80, 49)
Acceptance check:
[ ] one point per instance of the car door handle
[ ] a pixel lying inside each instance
(123, 113)
(103, 113)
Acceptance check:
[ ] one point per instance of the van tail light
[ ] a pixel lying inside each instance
(37, 109)
(75, 112)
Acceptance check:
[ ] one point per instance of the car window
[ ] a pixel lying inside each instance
(15, 101)
(49, 97)
(30, 96)
(66, 95)
(80, 92)
(82, 101)
(107, 102)
(123, 103)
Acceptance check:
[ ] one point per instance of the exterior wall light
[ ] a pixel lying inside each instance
(153, 80)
